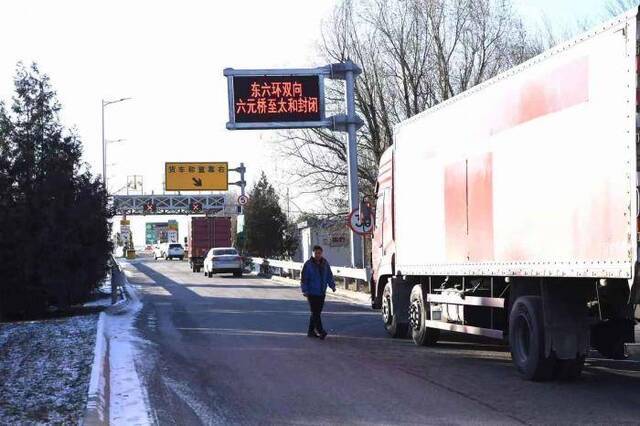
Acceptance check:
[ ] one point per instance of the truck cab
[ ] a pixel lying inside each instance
(383, 246)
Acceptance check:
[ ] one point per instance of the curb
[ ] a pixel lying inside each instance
(98, 400)
(97, 411)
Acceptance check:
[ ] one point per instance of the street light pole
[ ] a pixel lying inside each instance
(104, 141)
(104, 152)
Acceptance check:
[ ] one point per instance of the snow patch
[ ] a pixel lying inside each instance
(116, 393)
(128, 398)
(45, 370)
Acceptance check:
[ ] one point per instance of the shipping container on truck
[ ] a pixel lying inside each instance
(206, 233)
(511, 210)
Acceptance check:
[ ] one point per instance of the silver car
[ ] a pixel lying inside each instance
(223, 259)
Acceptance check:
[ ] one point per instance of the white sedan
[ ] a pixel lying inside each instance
(175, 251)
(223, 259)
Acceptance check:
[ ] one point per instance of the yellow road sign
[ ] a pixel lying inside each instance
(196, 176)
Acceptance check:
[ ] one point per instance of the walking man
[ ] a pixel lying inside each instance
(316, 276)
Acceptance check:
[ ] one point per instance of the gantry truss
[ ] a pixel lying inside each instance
(173, 204)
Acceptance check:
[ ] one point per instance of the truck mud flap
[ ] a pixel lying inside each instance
(566, 319)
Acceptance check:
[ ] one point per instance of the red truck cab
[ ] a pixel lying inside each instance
(383, 246)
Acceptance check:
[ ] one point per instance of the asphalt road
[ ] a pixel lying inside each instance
(227, 350)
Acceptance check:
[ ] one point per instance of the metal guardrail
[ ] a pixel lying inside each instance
(362, 274)
(117, 280)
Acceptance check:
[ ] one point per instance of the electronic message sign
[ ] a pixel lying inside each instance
(276, 98)
(196, 176)
(266, 99)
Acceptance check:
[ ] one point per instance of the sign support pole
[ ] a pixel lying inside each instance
(357, 260)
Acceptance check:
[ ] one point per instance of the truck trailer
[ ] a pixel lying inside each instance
(511, 210)
(206, 233)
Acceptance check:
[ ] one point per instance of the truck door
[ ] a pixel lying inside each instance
(378, 235)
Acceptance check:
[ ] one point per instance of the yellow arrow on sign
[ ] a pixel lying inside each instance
(211, 176)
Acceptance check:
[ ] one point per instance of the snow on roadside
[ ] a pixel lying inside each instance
(45, 369)
(128, 398)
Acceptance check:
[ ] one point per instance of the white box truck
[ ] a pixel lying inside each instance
(511, 210)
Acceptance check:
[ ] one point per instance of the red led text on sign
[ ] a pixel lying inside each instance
(277, 99)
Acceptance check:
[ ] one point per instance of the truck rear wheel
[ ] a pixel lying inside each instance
(389, 316)
(418, 313)
(526, 339)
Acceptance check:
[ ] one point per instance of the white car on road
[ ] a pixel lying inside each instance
(223, 259)
(175, 251)
(169, 251)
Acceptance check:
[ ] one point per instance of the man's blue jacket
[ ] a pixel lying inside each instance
(316, 277)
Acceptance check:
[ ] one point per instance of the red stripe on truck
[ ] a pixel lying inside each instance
(563, 87)
(455, 204)
(480, 208)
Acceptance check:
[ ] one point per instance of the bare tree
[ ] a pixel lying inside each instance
(616, 7)
(414, 54)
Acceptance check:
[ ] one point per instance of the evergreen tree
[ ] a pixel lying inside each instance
(56, 215)
(265, 222)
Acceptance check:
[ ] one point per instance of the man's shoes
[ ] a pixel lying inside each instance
(322, 334)
(312, 334)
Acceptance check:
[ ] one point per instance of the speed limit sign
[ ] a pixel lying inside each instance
(243, 200)
(360, 225)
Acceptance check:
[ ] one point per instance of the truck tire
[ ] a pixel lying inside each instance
(527, 342)
(389, 317)
(418, 313)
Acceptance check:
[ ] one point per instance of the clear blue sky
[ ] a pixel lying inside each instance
(563, 13)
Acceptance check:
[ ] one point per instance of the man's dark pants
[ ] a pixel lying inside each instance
(315, 322)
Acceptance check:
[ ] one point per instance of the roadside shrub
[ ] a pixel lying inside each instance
(54, 214)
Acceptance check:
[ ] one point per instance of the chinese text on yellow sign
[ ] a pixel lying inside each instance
(196, 176)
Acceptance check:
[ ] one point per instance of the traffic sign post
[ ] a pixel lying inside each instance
(360, 223)
(294, 99)
(197, 176)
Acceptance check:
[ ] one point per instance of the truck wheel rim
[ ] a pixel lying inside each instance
(386, 309)
(415, 315)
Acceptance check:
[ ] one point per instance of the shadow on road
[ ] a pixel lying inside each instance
(255, 311)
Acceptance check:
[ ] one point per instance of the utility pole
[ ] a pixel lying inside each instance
(351, 122)
(352, 171)
(104, 152)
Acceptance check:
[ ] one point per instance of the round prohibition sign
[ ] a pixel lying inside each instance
(243, 200)
(361, 226)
